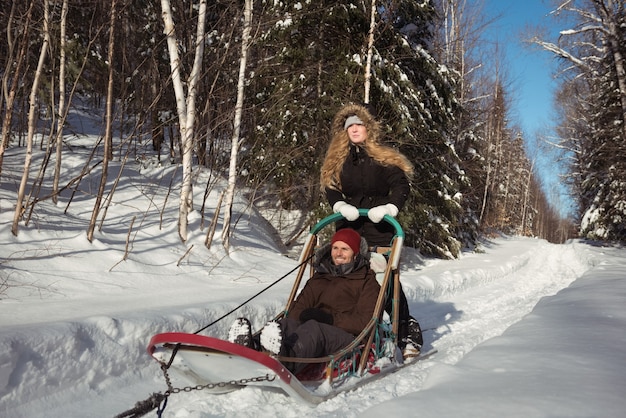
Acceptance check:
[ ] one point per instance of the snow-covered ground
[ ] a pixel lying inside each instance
(523, 328)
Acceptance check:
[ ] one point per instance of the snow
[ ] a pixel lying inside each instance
(523, 328)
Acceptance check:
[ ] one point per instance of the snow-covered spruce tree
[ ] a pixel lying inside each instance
(310, 61)
(592, 157)
(306, 63)
(416, 96)
(457, 44)
(603, 183)
(593, 62)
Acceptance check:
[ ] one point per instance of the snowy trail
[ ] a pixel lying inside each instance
(459, 303)
(490, 300)
(77, 316)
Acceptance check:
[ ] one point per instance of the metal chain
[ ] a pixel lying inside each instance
(171, 389)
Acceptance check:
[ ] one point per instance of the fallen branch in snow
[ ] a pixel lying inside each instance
(184, 255)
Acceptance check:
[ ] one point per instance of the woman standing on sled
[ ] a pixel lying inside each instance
(359, 172)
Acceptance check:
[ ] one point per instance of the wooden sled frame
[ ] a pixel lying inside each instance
(367, 337)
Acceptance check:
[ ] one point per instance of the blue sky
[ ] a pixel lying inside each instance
(530, 69)
(531, 77)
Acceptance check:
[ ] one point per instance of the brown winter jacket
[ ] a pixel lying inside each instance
(349, 297)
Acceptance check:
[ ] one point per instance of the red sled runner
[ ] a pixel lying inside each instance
(220, 366)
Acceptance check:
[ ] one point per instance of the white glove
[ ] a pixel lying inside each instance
(377, 213)
(348, 211)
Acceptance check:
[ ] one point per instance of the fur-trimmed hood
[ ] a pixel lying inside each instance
(372, 125)
(340, 146)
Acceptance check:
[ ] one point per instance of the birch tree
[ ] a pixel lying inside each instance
(61, 110)
(370, 51)
(108, 135)
(15, 64)
(232, 170)
(32, 120)
(185, 104)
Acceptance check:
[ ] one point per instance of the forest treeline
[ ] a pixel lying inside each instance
(247, 89)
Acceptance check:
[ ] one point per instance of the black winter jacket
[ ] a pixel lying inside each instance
(365, 184)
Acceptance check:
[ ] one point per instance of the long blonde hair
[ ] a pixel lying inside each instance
(340, 146)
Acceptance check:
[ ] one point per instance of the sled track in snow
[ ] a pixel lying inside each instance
(473, 304)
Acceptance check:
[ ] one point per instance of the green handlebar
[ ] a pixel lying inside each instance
(362, 212)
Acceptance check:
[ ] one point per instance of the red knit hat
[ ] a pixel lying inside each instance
(350, 237)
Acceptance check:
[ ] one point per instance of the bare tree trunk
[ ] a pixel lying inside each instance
(505, 218)
(615, 40)
(61, 112)
(211, 230)
(9, 57)
(18, 61)
(108, 140)
(32, 121)
(181, 107)
(186, 200)
(483, 206)
(185, 106)
(232, 171)
(370, 52)
(526, 201)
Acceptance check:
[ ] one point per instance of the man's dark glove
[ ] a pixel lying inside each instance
(317, 314)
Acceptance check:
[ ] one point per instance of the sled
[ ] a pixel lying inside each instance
(219, 366)
(206, 361)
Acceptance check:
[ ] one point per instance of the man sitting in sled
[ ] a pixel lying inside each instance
(333, 307)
